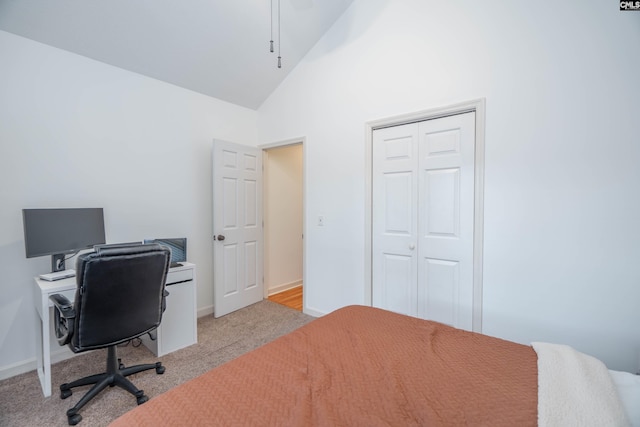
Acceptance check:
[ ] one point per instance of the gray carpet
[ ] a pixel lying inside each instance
(219, 340)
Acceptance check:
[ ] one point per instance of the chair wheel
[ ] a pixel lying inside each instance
(142, 399)
(74, 419)
(160, 370)
(65, 393)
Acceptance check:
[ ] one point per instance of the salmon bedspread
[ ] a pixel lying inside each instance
(360, 366)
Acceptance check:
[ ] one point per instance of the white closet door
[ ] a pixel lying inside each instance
(422, 220)
(446, 209)
(395, 215)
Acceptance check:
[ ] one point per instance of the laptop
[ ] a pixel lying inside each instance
(178, 248)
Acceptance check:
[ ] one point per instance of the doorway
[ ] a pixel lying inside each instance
(283, 220)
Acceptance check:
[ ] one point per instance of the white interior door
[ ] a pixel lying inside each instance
(395, 218)
(446, 220)
(237, 227)
(423, 219)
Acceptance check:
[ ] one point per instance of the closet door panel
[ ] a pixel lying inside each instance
(446, 219)
(394, 224)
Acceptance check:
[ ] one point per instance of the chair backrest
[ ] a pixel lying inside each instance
(120, 294)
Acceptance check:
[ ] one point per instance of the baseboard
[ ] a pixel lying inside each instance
(313, 312)
(284, 287)
(205, 311)
(17, 368)
(30, 364)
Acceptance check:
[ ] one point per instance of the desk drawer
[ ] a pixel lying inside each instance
(179, 276)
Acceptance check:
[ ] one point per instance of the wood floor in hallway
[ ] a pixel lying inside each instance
(291, 298)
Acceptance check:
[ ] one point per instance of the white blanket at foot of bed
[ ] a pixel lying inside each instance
(575, 389)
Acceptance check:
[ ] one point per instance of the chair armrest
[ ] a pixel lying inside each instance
(63, 304)
(64, 318)
(165, 294)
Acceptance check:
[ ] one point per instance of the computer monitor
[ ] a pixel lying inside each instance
(178, 248)
(57, 232)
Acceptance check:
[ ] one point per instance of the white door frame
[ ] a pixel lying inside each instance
(293, 141)
(477, 106)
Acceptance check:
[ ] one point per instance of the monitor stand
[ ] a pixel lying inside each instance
(57, 262)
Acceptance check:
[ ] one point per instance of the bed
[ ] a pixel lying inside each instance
(362, 366)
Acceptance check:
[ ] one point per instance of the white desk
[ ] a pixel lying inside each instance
(179, 326)
(177, 330)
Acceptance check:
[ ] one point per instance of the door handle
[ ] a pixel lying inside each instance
(219, 237)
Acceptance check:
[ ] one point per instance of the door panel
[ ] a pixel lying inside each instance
(237, 215)
(250, 204)
(398, 202)
(230, 269)
(251, 256)
(399, 271)
(230, 198)
(442, 205)
(446, 221)
(394, 224)
(439, 290)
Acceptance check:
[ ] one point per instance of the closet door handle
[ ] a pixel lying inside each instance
(219, 237)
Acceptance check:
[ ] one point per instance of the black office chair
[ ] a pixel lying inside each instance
(121, 295)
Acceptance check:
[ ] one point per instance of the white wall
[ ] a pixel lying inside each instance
(74, 133)
(561, 183)
(283, 218)
(561, 207)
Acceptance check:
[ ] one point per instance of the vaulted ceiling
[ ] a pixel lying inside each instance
(216, 47)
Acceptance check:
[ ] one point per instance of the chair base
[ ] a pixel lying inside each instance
(115, 375)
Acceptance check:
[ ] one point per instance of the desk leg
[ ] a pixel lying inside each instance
(43, 349)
